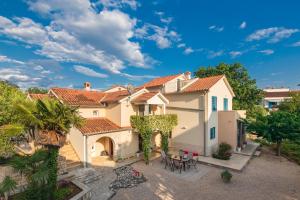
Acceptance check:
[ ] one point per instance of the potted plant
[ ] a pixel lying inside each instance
(226, 176)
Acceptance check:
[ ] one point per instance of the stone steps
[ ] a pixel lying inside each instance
(69, 159)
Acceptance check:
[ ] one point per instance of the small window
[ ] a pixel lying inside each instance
(225, 104)
(95, 113)
(214, 103)
(212, 133)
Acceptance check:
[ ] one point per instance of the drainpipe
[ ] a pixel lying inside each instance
(205, 121)
(84, 152)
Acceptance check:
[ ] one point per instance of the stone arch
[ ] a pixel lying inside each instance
(104, 146)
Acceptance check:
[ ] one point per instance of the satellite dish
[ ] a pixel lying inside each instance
(130, 89)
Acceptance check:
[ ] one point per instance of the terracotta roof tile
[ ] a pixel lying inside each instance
(281, 94)
(203, 84)
(160, 81)
(79, 97)
(38, 96)
(114, 96)
(144, 97)
(100, 125)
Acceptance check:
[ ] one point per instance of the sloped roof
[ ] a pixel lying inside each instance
(38, 96)
(160, 81)
(144, 97)
(283, 94)
(100, 125)
(79, 97)
(203, 84)
(114, 96)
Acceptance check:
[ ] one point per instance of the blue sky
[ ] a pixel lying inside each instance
(64, 43)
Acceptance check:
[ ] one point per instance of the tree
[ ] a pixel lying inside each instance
(7, 185)
(37, 90)
(291, 105)
(53, 120)
(35, 169)
(245, 89)
(276, 127)
(8, 135)
(8, 96)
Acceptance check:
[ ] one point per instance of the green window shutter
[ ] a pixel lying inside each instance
(212, 133)
(225, 104)
(214, 103)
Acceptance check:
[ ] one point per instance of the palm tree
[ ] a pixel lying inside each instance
(7, 185)
(53, 121)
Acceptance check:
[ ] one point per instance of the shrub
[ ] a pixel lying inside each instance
(291, 150)
(224, 152)
(226, 176)
(62, 193)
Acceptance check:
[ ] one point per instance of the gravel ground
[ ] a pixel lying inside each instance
(265, 178)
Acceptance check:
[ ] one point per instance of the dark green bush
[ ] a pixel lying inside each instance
(226, 176)
(224, 152)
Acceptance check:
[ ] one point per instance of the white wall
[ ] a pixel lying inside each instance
(77, 141)
(88, 112)
(125, 143)
(221, 91)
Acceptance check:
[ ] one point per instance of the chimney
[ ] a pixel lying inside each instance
(187, 75)
(87, 86)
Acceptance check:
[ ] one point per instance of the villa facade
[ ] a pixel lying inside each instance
(203, 107)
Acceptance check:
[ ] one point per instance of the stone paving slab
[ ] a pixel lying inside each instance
(236, 162)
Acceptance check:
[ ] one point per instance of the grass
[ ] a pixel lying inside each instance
(291, 150)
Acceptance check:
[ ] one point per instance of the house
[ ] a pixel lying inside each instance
(204, 110)
(203, 107)
(274, 96)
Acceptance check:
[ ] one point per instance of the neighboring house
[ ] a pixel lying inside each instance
(273, 97)
(203, 107)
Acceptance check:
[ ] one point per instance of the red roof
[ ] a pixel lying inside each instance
(38, 96)
(160, 81)
(115, 96)
(203, 84)
(144, 97)
(100, 125)
(283, 94)
(79, 97)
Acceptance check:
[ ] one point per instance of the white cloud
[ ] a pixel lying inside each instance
(214, 54)
(77, 33)
(138, 77)
(296, 44)
(273, 34)
(243, 25)
(267, 51)
(88, 72)
(235, 54)
(5, 59)
(13, 75)
(216, 28)
(163, 19)
(162, 36)
(133, 4)
(188, 50)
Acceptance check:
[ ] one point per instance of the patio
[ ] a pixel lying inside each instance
(264, 178)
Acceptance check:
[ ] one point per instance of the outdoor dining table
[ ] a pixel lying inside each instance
(183, 160)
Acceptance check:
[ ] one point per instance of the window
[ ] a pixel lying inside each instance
(95, 113)
(225, 104)
(212, 133)
(214, 103)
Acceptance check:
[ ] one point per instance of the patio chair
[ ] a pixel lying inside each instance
(178, 165)
(163, 156)
(169, 163)
(181, 153)
(192, 161)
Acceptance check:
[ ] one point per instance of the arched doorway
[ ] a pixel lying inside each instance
(104, 147)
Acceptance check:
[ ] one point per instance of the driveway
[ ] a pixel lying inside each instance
(266, 177)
